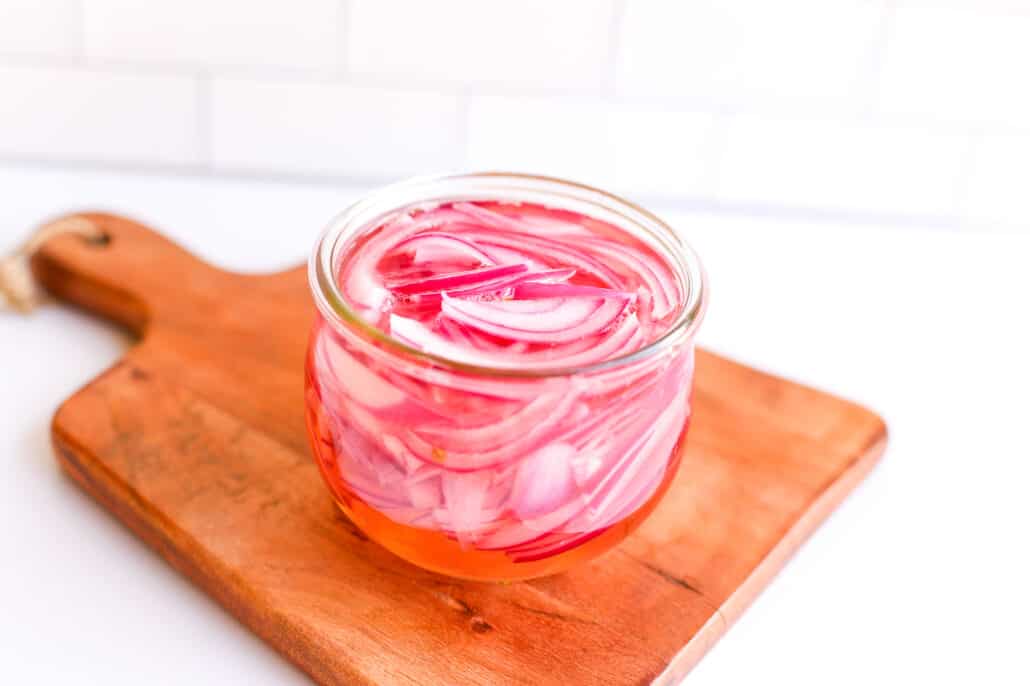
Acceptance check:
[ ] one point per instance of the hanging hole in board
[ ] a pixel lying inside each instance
(98, 240)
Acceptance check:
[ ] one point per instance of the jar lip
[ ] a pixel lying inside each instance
(493, 185)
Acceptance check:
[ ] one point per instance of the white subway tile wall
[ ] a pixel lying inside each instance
(824, 165)
(215, 33)
(999, 182)
(959, 64)
(109, 116)
(537, 44)
(748, 51)
(649, 151)
(330, 128)
(916, 110)
(39, 27)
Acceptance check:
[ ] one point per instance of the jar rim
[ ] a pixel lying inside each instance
(513, 186)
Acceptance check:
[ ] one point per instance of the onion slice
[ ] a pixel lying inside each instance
(547, 320)
(562, 290)
(433, 247)
(458, 280)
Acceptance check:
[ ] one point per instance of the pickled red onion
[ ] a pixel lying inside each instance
(531, 467)
(459, 280)
(543, 320)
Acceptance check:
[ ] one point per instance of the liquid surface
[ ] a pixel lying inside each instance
(510, 285)
(478, 474)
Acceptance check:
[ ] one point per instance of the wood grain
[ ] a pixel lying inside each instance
(196, 441)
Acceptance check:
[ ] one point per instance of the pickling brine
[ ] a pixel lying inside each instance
(498, 384)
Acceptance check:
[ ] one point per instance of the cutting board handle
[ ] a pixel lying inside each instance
(124, 272)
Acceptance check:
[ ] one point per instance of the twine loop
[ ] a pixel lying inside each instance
(19, 290)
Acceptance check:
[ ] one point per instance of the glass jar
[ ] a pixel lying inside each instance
(490, 473)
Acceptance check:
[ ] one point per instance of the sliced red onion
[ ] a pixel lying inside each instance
(547, 320)
(424, 303)
(519, 534)
(632, 480)
(621, 340)
(530, 466)
(464, 495)
(442, 247)
(548, 275)
(554, 544)
(459, 280)
(511, 533)
(482, 215)
(557, 254)
(494, 452)
(563, 290)
(360, 382)
(544, 481)
(489, 436)
(655, 276)
(414, 468)
(417, 335)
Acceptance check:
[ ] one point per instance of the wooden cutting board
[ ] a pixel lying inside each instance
(196, 440)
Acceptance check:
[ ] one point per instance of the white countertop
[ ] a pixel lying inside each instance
(921, 575)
